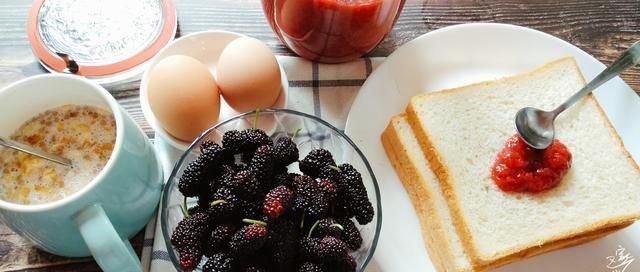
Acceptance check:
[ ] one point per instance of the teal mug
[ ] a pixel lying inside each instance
(98, 219)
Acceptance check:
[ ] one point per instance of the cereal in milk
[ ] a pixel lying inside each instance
(83, 134)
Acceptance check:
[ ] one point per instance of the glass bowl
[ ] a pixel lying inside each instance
(314, 133)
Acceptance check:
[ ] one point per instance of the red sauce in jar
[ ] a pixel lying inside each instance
(331, 30)
(521, 168)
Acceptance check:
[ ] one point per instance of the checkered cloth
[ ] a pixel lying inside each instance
(323, 90)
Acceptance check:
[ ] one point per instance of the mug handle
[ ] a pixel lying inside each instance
(111, 252)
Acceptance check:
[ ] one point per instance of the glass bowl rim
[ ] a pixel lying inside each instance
(183, 156)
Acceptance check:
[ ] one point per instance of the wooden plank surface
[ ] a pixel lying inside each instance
(601, 28)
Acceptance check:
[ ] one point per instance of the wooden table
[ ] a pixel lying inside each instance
(601, 28)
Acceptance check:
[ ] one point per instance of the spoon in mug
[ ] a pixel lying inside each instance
(27, 149)
(535, 126)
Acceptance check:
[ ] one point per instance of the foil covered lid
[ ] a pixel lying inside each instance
(107, 41)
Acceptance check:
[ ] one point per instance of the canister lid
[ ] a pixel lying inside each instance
(107, 41)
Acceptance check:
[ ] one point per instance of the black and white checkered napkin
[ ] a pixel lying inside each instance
(324, 90)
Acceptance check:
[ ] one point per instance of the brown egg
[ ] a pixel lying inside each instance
(183, 96)
(248, 75)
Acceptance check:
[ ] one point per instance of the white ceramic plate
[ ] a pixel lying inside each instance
(205, 46)
(459, 55)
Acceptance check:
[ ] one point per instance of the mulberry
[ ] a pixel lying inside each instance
(283, 245)
(233, 140)
(219, 262)
(189, 257)
(190, 230)
(224, 205)
(285, 179)
(248, 239)
(353, 194)
(309, 267)
(277, 202)
(285, 152)
(323, 250)
(262, 164)
(192, 179)
(219, 239)
(313, 196)
(244, 184)
(315, 161)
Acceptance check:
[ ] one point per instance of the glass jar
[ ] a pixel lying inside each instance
(331, 31)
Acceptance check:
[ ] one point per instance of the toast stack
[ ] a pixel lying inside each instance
(445, 143)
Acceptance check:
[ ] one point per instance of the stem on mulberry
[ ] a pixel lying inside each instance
(295, 134)
(253, 221)
(313, 228)
(217, 202)
(255, 119)
(338, 226)
(185, 211)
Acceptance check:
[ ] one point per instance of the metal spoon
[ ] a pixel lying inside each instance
(27, 149)
(535, 126)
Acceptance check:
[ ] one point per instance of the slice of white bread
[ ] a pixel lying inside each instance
(461, 130)
(440, 237)
(441, 240)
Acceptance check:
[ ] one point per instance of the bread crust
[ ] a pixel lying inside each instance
(423, 201)
(559, 244)
(612, 130)
(443, 175)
